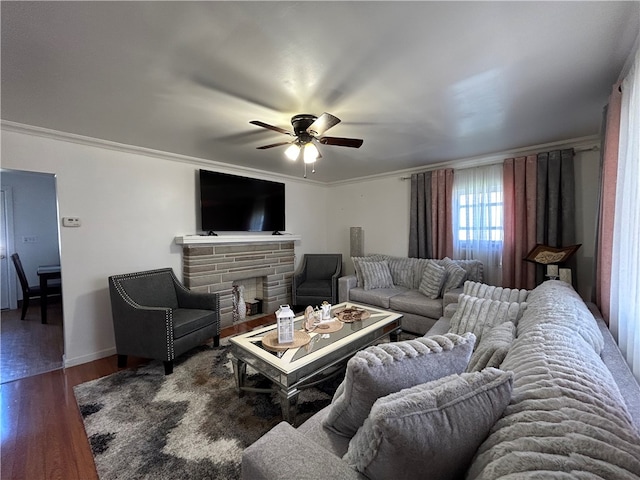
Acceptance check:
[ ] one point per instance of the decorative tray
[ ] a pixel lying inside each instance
(270, 341)
(352, 314)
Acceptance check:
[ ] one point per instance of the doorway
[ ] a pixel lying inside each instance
(30, 227)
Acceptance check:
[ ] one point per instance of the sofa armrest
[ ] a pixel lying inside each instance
(284, 453)
(345, 284)
(451, 296)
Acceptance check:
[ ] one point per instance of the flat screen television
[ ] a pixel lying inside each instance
(231, 203)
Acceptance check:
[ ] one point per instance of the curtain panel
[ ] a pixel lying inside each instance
(555, 203)
(607, 202)
(624, 320)
(420, 244)
(520, 190)
(430, 232)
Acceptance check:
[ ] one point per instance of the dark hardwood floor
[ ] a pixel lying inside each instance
(42, 434)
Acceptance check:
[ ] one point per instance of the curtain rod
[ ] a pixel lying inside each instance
(593, 148)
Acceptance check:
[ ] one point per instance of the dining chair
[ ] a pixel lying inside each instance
(29, 291)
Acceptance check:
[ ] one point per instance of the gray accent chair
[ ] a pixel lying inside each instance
(316, 280)
(155, 316)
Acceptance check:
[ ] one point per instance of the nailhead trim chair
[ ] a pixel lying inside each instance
(155, 316)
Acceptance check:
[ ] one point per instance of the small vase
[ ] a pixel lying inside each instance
(242, 306)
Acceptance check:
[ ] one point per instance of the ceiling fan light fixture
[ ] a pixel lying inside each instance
(292, 152)
(310, 153)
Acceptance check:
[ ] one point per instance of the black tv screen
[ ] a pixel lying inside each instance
(231, 203)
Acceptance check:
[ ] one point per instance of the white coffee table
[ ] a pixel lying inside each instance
(296, 368)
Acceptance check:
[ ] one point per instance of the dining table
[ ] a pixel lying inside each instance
(46, 273)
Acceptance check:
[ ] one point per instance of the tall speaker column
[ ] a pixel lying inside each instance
(356, 241)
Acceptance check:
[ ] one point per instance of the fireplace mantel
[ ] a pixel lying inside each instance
(240, 238)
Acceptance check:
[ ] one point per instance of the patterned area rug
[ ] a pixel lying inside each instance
(142, 424)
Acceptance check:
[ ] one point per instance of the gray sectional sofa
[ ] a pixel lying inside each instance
(403, 294)
(551, 397)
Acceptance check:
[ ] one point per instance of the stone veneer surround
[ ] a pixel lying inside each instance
(214, 268)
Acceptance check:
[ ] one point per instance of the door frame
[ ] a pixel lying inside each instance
(11, 276)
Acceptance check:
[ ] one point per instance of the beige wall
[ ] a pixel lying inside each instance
(132, 205)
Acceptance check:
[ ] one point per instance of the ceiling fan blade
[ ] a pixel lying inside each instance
(323, 123)
(279, 144)
(342, 142)
(271, 127)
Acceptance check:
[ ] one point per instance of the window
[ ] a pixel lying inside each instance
(478, 218)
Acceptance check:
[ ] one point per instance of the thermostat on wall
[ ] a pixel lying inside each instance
(71, 222)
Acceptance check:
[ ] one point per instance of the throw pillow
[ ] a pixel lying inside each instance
(493, 347)
(357, 261)
(401, 271)
(432, 280)
(455, 275)
(479, 315)
(431, 430)
(386, 368)
(376, 275)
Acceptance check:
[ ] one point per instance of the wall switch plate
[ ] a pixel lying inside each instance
(71, 221)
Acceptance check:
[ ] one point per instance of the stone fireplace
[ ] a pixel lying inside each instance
(266, 268)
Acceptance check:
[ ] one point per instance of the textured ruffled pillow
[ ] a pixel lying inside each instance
(431, 430)
(432, 280)
(357, 262)
(479, 315)
(376, 275)
(387, 368)
(482, 290)
(493, 347)
(456, 275)
(401, 271)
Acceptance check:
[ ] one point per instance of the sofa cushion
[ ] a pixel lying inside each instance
(455, 277)
(493, 347)
(412, 301)
(379, 297)
(376, 275)
(188, 320)
(386, 368)
(566, 413)
(401, 271)
(432, 280)
(431, 430)
(315, 288)
(479, 315)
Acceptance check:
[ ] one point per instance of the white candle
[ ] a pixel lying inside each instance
(552, 270)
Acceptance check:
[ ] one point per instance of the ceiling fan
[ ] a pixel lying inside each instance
(308, 129)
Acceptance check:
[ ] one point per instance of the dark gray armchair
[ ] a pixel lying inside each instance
(155, 316)
(316, 280)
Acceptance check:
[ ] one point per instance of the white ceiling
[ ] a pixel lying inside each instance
(420, 82)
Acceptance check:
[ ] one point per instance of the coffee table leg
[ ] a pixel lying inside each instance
(394, 336)
(289, 404)
(240, 373)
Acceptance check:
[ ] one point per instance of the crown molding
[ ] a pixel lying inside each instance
(149, 152)
(590, 142)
